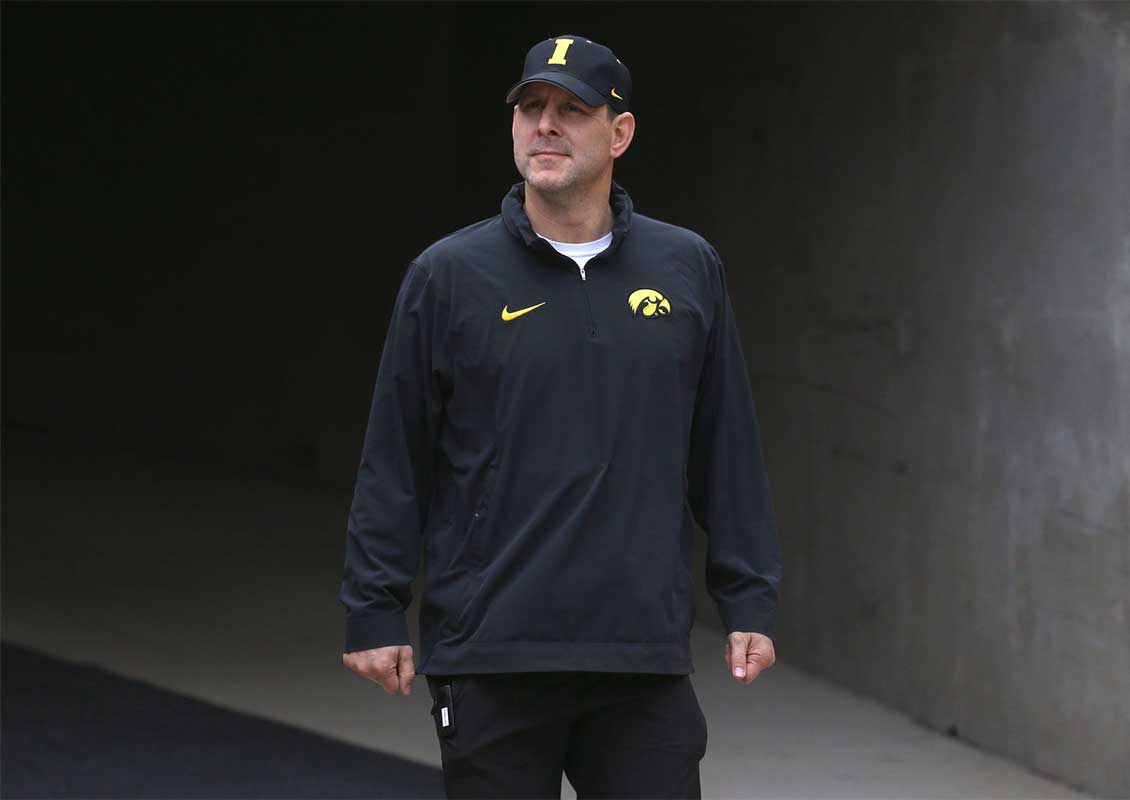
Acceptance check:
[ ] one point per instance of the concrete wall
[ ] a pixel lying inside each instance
(922, 207)
(938, 324)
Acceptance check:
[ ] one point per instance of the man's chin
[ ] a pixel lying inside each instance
(549, 181)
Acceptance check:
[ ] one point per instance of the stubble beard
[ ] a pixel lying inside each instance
(560, 184)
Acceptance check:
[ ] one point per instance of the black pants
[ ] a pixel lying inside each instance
(613, 734)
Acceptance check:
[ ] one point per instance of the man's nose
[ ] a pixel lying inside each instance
(547, 122)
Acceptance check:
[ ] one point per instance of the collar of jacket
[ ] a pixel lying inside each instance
(518, 223)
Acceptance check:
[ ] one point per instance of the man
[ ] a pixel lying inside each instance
(562, 393)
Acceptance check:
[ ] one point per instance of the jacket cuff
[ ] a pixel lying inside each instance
(367, 631)
(748, 620)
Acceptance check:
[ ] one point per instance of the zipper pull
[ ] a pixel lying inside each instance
(582, 272)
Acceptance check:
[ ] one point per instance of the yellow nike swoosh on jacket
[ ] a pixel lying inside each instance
(509, 315)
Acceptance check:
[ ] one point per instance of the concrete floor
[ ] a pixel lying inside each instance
(225, 588)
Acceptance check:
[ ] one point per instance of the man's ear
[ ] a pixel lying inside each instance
(623, 130)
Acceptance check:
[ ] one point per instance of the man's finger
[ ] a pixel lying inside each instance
(755, 662)
(406, 670)
(737, 644)
(761, 656)
(387, 677)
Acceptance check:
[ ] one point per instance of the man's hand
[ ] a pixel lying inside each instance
(747, 654)
(390, 666)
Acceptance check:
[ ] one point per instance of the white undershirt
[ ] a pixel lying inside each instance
(581, 252)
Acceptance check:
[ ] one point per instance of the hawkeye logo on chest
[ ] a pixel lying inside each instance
(649, 303)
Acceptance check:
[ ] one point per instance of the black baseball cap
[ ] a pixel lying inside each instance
(589, 70)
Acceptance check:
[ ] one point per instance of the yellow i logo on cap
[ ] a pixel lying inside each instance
(558, 56)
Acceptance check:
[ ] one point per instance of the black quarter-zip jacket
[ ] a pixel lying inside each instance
(545, 439)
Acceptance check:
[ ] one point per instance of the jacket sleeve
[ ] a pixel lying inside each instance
(392, 492)
(728, 488)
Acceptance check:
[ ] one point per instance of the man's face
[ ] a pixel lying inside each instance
(559, 142)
